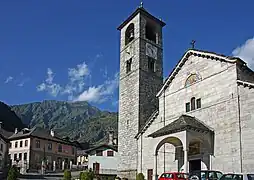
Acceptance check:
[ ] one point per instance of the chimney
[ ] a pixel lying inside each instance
(16, 130)
(52, 133)
(111, 137)
(1, 124)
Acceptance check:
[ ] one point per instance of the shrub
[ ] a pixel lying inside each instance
(67, 175)
(140, 176)
(13, 173)
(87, 175)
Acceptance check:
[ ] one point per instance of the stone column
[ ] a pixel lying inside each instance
(155, 167)
(211, 162)
(63, 165)
(54, 166)
(186, 162)
(70, 165)
(43, 167)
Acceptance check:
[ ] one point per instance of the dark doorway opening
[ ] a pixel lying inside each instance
(195, 165)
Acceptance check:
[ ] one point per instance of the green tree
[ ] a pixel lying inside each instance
(140, 176)
(13, 173)
(67, 175)
(87, 175)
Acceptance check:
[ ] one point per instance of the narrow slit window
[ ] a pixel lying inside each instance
(198, 103)
(187, 107)
(151, 64)
(193, 104)
(128, 65)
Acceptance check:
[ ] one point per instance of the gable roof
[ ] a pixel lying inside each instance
(39, 133)
(113, 147)
(184, 122)
(199, 53)
(5, 134)
(144, 12)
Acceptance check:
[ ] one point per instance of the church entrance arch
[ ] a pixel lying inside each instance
(177, 143)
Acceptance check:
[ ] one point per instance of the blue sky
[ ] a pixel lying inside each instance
(69, 50)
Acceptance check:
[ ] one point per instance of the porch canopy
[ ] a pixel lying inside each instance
(183, 123)
(183, 133)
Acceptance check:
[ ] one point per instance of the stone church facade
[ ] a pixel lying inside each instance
(201, 117)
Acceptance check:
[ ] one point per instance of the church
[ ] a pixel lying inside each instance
(200, 118)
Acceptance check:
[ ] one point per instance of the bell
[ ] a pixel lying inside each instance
(132, 35)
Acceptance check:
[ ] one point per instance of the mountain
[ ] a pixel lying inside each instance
(76, 120)
(9, 119)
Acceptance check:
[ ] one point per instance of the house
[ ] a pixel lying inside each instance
(82, 156)
(103, 158)
(4, 147)
(33, 149)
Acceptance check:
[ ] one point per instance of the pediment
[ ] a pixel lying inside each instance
(198, 53)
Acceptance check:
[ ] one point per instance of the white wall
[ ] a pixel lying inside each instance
(23, 149)
(108, 164)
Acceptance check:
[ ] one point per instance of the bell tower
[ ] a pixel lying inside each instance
(141, 77)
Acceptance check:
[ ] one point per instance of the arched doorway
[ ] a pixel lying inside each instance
(177, 154)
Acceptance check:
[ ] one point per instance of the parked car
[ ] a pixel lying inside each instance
(173, 176)
(238, 176)
(205, 175)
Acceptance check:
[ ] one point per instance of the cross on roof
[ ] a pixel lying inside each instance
(141, 4)
(193, 44)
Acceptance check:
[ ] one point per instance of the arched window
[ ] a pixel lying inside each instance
(150, 32)
(193, 106)
(193, 78)
(129, 34)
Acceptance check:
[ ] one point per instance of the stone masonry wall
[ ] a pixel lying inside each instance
(128, 104)
(247, 126)
(137, 95)
(218, 93)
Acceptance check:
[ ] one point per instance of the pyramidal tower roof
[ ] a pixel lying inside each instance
(144, 12)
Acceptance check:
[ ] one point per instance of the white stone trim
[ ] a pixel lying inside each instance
(244, 83)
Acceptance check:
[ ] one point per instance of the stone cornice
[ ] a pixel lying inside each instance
(245, 84)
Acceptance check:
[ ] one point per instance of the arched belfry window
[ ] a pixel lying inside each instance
(129, 34)
(193, 78)
(193, 103)
(150, 32)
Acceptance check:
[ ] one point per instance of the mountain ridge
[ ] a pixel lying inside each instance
(78, 120)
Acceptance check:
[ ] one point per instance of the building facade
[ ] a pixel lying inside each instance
(204, 117)
(103, 160)
(32, 149)
(4, 147)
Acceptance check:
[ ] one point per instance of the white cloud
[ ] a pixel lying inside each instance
(246, 52)
(50, 77)
(8, 79)
(100, 93)
(52, 88)
(78, 86)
